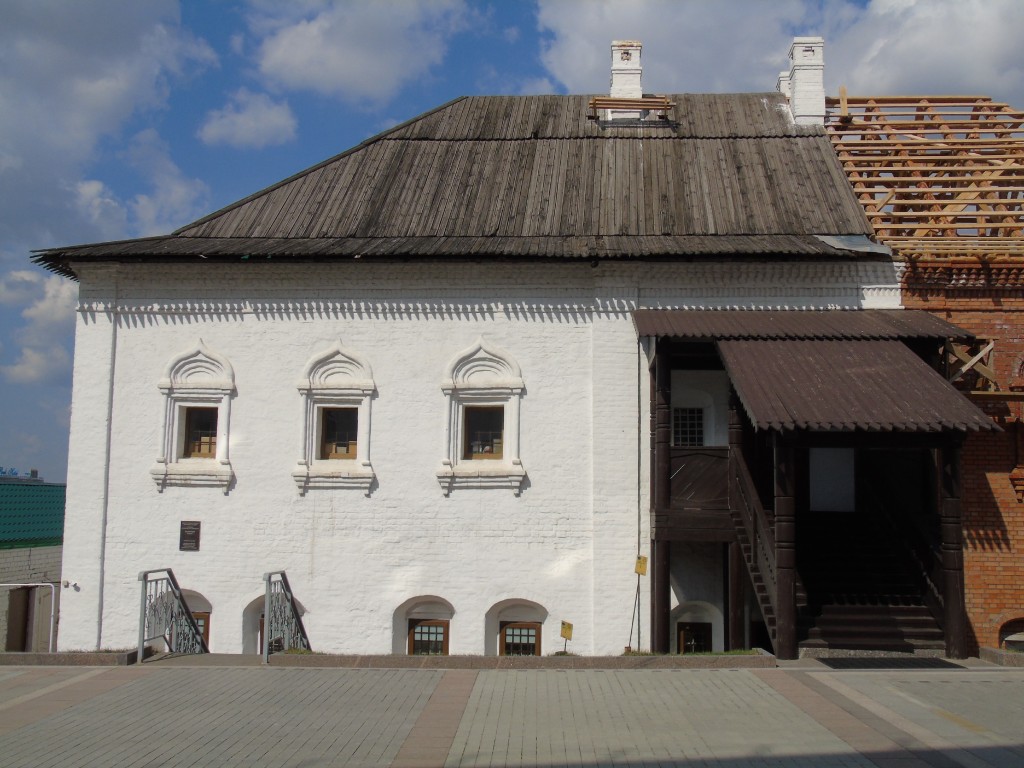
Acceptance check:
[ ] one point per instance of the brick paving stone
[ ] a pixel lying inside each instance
(175, 716)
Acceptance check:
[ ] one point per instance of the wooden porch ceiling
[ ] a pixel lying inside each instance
(941, 178)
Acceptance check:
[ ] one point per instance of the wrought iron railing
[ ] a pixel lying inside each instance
(282, 626)
(164, 615)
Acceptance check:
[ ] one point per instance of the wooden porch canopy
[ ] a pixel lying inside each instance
(828, 371)
(845, 386)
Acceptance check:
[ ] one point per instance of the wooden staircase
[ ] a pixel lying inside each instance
(753, 526)
(864, 591)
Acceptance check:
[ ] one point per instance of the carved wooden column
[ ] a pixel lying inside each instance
(951, 530)
(661, 599)
(785, 549)
(736, 578)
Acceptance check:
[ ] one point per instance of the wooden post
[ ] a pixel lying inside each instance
(661, 600)
(951, 531)
(734, 619)
(736, 567)
(785, 549)
(661, 596)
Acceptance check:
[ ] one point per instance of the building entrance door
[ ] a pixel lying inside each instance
(693, 637)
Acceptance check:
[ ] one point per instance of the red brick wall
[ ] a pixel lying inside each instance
(993, 517)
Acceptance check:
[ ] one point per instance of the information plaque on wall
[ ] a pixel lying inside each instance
(188, 541)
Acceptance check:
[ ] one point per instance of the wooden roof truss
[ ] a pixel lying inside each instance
(941, 178)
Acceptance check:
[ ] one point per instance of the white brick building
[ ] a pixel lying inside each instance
(451, 301)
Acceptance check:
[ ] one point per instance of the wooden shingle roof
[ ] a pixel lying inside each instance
(726, 175)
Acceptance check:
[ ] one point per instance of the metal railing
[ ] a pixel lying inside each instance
(282, 625)
(164, 615)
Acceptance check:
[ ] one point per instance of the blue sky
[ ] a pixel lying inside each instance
(124, 118)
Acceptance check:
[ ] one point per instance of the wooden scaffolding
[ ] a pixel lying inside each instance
(941, 178)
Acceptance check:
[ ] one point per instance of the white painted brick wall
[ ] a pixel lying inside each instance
(567, 543)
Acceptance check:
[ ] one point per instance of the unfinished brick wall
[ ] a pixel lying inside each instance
(992, 510)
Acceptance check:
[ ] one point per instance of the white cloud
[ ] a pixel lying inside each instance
(99, 206)
(38, 364)
(688, 46)
(249, 120)
(884, 46)
(19, 286)
(537, 86)
(70, 76)
(938, 46)
(359, 52)
(175, 199)
(43, 355)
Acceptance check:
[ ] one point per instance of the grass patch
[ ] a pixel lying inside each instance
(739, 652)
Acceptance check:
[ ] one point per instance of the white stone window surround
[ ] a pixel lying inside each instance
(481, 375)
(197, 378)
(335, 378)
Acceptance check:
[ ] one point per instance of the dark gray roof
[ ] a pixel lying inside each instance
(531, 176)
(724, 324)
(845, 385)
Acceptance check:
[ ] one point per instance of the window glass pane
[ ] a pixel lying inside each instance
(200, 433)
(339, 429)
(687, 427)
(484, 432)
(427, 638)
(521, 639)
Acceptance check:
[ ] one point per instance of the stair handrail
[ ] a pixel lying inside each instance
(755, 521)
(164, 615)
(282, 625)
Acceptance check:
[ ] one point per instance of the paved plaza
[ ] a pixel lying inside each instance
(805, 714)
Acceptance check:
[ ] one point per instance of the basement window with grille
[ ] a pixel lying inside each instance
(428, 637)
(520, 638)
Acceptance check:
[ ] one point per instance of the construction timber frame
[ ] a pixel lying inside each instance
(941, 178)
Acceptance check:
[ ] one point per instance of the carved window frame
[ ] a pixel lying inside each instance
(197, 378)
(335, 378)
(481, 375)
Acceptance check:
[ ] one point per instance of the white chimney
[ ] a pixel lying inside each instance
(782, 84)
(805, 84)
(626, 72)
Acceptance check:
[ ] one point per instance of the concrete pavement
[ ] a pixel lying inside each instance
(803, 714)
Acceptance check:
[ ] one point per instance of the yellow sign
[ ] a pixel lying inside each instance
(567, 630)
(641, 565)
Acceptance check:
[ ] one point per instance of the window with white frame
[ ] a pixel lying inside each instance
(337, 386)
(483, 387)
(197, 387)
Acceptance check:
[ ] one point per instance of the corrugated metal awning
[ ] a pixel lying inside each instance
(844, 385)
(708, 324)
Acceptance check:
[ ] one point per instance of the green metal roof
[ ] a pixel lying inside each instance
(31, 513)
